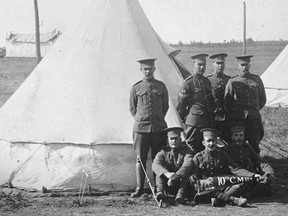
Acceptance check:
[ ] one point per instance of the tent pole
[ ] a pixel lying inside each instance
(37, 32)
(244, 30)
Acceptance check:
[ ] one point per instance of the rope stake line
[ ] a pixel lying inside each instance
(82, 186)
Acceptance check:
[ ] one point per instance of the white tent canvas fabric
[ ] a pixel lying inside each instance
(275, 80)
(72, 113)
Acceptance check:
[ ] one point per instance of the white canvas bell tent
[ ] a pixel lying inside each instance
(72, 113)
(275, 81)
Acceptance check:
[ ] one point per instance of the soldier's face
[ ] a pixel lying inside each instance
(219, 67)
(210, 143)
(244, 69)
(148, 71)
(199, 68)
(238, 138)
(174, 142)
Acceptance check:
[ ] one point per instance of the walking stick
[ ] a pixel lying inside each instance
(159, 203)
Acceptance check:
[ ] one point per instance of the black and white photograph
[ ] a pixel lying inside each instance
(143, 107)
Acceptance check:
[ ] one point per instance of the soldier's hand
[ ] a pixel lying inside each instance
(169, 174)
(258, 177)
(173, 180)
(170, 183)
(193, 179)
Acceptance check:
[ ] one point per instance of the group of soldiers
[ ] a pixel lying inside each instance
(223, 129)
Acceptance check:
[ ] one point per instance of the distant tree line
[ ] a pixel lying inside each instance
(228, 43)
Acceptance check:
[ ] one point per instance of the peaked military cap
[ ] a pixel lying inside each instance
(200, 58)
(237, 127)
(173, 131)
(244, 59)
(147, 62)
(220, 57)
(210, 132)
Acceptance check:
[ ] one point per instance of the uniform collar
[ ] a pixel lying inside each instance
(245, 77)
(220, 75)
(210, 153)
(198, 76)
(148, 81)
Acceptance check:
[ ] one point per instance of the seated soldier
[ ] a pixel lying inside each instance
(214, 162)
(173, 166)
(244, 155)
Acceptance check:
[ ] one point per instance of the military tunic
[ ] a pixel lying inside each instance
(217, 163)
(247, 158)
(244, 98)
(195, 107)
(179, 161)
(195, 101)
(148, 105)
(218, 84)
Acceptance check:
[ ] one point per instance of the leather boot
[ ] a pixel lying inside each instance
(138, 192)
(238, 201)
(160, 196)
(140, 176)
(180, 199)
(214, 202)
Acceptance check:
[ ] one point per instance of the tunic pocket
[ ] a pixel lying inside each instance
(198, 94)
(142, 98)
(253, 90)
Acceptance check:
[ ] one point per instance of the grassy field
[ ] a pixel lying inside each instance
(264, 54)
(13, 72)
(274, 147)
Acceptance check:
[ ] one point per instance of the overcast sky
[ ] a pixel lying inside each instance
(217, 20)
(173, 20)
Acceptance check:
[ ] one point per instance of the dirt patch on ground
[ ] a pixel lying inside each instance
(17, 202)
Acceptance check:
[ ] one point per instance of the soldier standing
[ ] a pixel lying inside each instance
(218, 82)
(148, 106)
(244, 98)
(195, 103)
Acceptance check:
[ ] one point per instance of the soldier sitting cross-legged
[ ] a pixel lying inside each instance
(173, 166)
